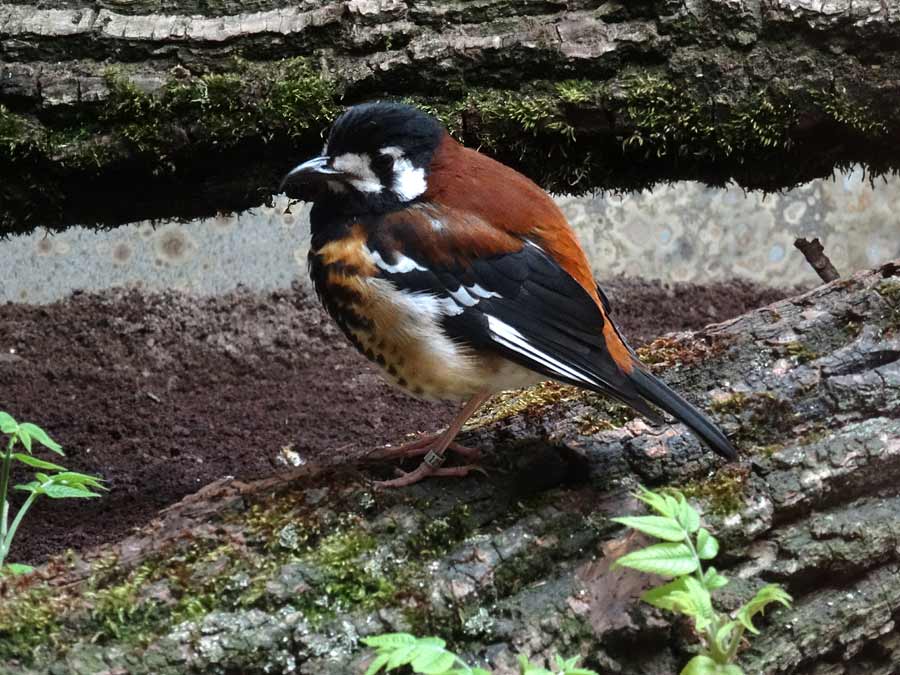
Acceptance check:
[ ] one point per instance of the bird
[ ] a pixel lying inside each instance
(460, 278)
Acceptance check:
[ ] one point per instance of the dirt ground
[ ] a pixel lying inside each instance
(163, 393)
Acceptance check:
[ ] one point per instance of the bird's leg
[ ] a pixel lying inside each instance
(434, 455)
(421, 446)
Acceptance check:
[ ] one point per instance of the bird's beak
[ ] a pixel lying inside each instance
(313, 170)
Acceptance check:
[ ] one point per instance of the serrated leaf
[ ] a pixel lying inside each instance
(661, 595)
(66, 492)
(31, 460)
(401, 656)
(389, 640)
(702, 603)
(687, 515)
(378, 663)
(707, 545)
(713, 580)
(724, 635)
(660, 527)
(8, 424)
(76, 479)
(431, 659)
(667, 560)
(656, 501)
(765, 596)
(38, 434)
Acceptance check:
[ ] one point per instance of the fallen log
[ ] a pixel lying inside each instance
(287, 574)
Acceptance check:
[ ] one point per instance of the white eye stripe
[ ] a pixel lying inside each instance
(360, 168)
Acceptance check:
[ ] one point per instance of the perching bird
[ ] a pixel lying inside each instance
(460, 277)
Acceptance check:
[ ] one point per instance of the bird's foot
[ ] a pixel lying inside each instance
(430, 466)
(421, 446)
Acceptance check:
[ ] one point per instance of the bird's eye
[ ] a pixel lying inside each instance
(383, 162)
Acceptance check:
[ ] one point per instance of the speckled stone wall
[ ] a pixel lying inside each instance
(682, 232)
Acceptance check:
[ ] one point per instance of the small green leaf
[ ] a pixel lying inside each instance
(713, 580)
(31, 460)
(16, 569)
(656, 526)
(8, 424)
(660, 503)
(702, 602)
(703, 665)
(24, 438)
(33, 486)
(38, 434)
(765, 596)
(687, 515)
(401, 656)
(76, 479)
(707, 546)
(667, 560)
(432, 659)
(724, 635)
(378, 663)
(66, 492)
(661, 595)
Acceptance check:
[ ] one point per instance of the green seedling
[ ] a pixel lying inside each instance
(680, 557)
(430, 656)
(51, 480)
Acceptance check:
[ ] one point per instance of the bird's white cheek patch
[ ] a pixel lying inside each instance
(360, 169)
(409, 181)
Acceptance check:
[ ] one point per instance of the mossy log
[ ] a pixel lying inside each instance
(115, 110)
(286, 575)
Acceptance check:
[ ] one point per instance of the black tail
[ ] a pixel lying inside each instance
(658, 393)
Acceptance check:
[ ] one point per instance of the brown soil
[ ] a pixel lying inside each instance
(163, 393)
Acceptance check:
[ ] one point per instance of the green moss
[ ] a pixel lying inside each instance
(28, 621)
(860, 119)
(762, 417)
(670, 122)
(890, 291)
(724, 493)
(800, 352)
(440, 534)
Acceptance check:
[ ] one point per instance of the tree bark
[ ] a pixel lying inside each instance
(286, 575)
(116, 111)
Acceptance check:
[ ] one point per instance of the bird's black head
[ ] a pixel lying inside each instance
(376, 160)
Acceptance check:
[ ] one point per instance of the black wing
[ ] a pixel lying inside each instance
(524, 306)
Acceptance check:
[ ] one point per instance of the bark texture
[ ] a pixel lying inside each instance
(115, 111)
(287, 574)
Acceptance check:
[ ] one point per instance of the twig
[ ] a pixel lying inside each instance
(814, 253)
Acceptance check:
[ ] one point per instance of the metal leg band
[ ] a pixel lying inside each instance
(433, 459)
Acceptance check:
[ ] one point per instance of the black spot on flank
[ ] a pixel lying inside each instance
(370, 355)
(418, 391)
(392, 370)
(402, 382)
(380, 359)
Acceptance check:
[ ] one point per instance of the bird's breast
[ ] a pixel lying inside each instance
(401, 331)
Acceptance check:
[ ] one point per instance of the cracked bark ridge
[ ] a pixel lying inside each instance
(286, 575)
(580, 95)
